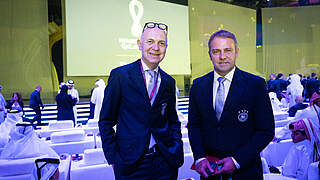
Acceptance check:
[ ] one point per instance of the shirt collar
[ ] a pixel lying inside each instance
(146, 68)
(228, 76)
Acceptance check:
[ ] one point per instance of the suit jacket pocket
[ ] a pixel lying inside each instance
(130, 150)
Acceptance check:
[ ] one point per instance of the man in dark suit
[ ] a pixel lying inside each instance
(313, 85)
(140, 100)
(35, 103)
(271, 83)
(298, 106)
(230, 115)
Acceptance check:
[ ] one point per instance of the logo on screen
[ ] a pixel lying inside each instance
(136, 17)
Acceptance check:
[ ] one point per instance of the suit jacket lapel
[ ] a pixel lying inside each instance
(210, 95)
(137, 80)
(163, 85)
(235, 92)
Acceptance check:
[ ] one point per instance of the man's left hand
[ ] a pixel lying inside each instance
(228, 166)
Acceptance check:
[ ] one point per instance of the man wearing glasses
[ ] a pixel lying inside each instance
(140, 100)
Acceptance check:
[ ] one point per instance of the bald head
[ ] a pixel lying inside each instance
(38, 88)
(153, 31)
(153, 46)
(299, 99)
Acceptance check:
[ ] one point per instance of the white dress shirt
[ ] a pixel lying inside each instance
(147, 80)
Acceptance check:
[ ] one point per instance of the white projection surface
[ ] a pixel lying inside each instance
(102, 34)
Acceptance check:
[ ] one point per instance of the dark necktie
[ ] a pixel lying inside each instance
(219, 102)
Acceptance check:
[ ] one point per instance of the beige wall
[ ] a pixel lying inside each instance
(207, 17)
(24, 52)
(291, 37)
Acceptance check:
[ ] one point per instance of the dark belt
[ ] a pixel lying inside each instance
(151, 151)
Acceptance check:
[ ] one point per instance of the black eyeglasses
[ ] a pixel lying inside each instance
(153, 25)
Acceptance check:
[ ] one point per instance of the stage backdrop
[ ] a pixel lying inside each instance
(207, 17)
(291, 37)
(24, 48)
(102, 35)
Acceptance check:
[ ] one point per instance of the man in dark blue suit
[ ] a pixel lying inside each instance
(313, 85)
(140, 100)
(230, 115)
(35, 104)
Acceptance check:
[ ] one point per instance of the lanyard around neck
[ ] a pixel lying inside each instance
(155, 84)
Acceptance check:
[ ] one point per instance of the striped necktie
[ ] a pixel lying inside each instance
(152, 75)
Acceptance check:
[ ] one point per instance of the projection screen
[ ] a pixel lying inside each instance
(102, 34)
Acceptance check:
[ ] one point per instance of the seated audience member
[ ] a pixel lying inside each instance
(294, 89)
(65, 104)
(300, 154)
(16, 102)
(298, 106)
(24, 143)
(13, 117)
(311, 113)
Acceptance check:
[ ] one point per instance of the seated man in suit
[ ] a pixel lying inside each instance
(313, 85)
(230, 115)
(298, 106)
(140, 99)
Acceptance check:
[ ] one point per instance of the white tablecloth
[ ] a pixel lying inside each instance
(94, 172)
(275, 153)
(280, 115)
(185, 171)
(313, 171)
(276, 177)
(282, 123)
(45, 132)
(186, 145)
(184, 132)
(76, 147)
(24, 167)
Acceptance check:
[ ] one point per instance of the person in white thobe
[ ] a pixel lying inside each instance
(301, 153)
(2, 106)
(297, 161)
(24, 143)
(294, 89)
(97, 97)
(74, 93)
(13, 117)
